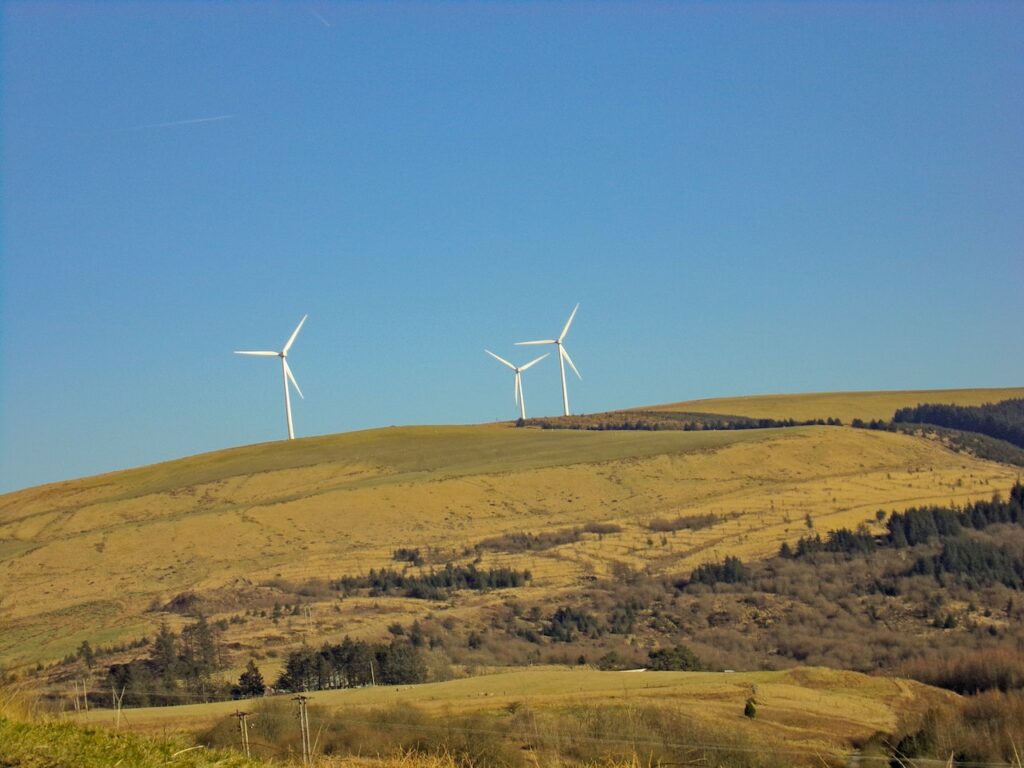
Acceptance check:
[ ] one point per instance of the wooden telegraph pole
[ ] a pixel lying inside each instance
(118, 698)
(243, 726)
(304, 727)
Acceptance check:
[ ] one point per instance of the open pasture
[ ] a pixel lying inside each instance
(804, 708)
(95, 559)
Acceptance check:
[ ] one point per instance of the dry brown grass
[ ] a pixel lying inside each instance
(85, 559)
(803, 709)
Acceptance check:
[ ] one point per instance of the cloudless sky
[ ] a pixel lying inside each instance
(744, 198)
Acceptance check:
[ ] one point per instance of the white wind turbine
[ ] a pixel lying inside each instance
(563, 357)
(286, 373)
(518, 397)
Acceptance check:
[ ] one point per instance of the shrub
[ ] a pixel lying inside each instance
(677, 658)
(408, 555)
(602, 528)
(729, 571)
(525, 542)
(690, 523)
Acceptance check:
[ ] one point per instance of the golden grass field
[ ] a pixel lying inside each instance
(84, 559)
(840, 405)
(804, 708)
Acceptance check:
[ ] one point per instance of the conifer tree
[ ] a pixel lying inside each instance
(251, 682)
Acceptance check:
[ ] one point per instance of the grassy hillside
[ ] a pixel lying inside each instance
(841, 405)
(812, 710)
(97, 559)
(50, 744)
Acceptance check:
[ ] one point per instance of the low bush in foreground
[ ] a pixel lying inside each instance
(987, 729)
(49, 744)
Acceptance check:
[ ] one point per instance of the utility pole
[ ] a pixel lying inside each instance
(304, 727)
(85, 694)
(118, 698)
(244, 727)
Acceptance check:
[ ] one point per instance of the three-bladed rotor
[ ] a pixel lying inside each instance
(563, 357)
(517, 395)
(286, 373)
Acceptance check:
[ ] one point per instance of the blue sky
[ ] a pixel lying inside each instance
(744, 198)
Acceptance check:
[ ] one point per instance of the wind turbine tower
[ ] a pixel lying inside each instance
(518, 396)
(563, 357)
(286, 373)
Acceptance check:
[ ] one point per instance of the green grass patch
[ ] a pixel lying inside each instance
(58, 744)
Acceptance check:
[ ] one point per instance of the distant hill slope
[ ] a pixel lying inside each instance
(93, 559)
(841, 405)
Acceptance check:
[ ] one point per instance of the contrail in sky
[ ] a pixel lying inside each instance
(192, 121)
(323, 21)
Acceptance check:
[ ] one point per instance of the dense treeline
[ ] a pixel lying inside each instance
(178, 668)
(433, 585)
(352, 663)
(1003, 420)
(976, 562)
(729, 571)
(668, 420)
(569, 623)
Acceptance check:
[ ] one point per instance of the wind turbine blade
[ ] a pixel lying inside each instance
(500, 359)
(528, 343)
(515, 393)
(259, 354)
(291, 339)
(291, 378)
(568, 359)
(568, 322)
(533, 362)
